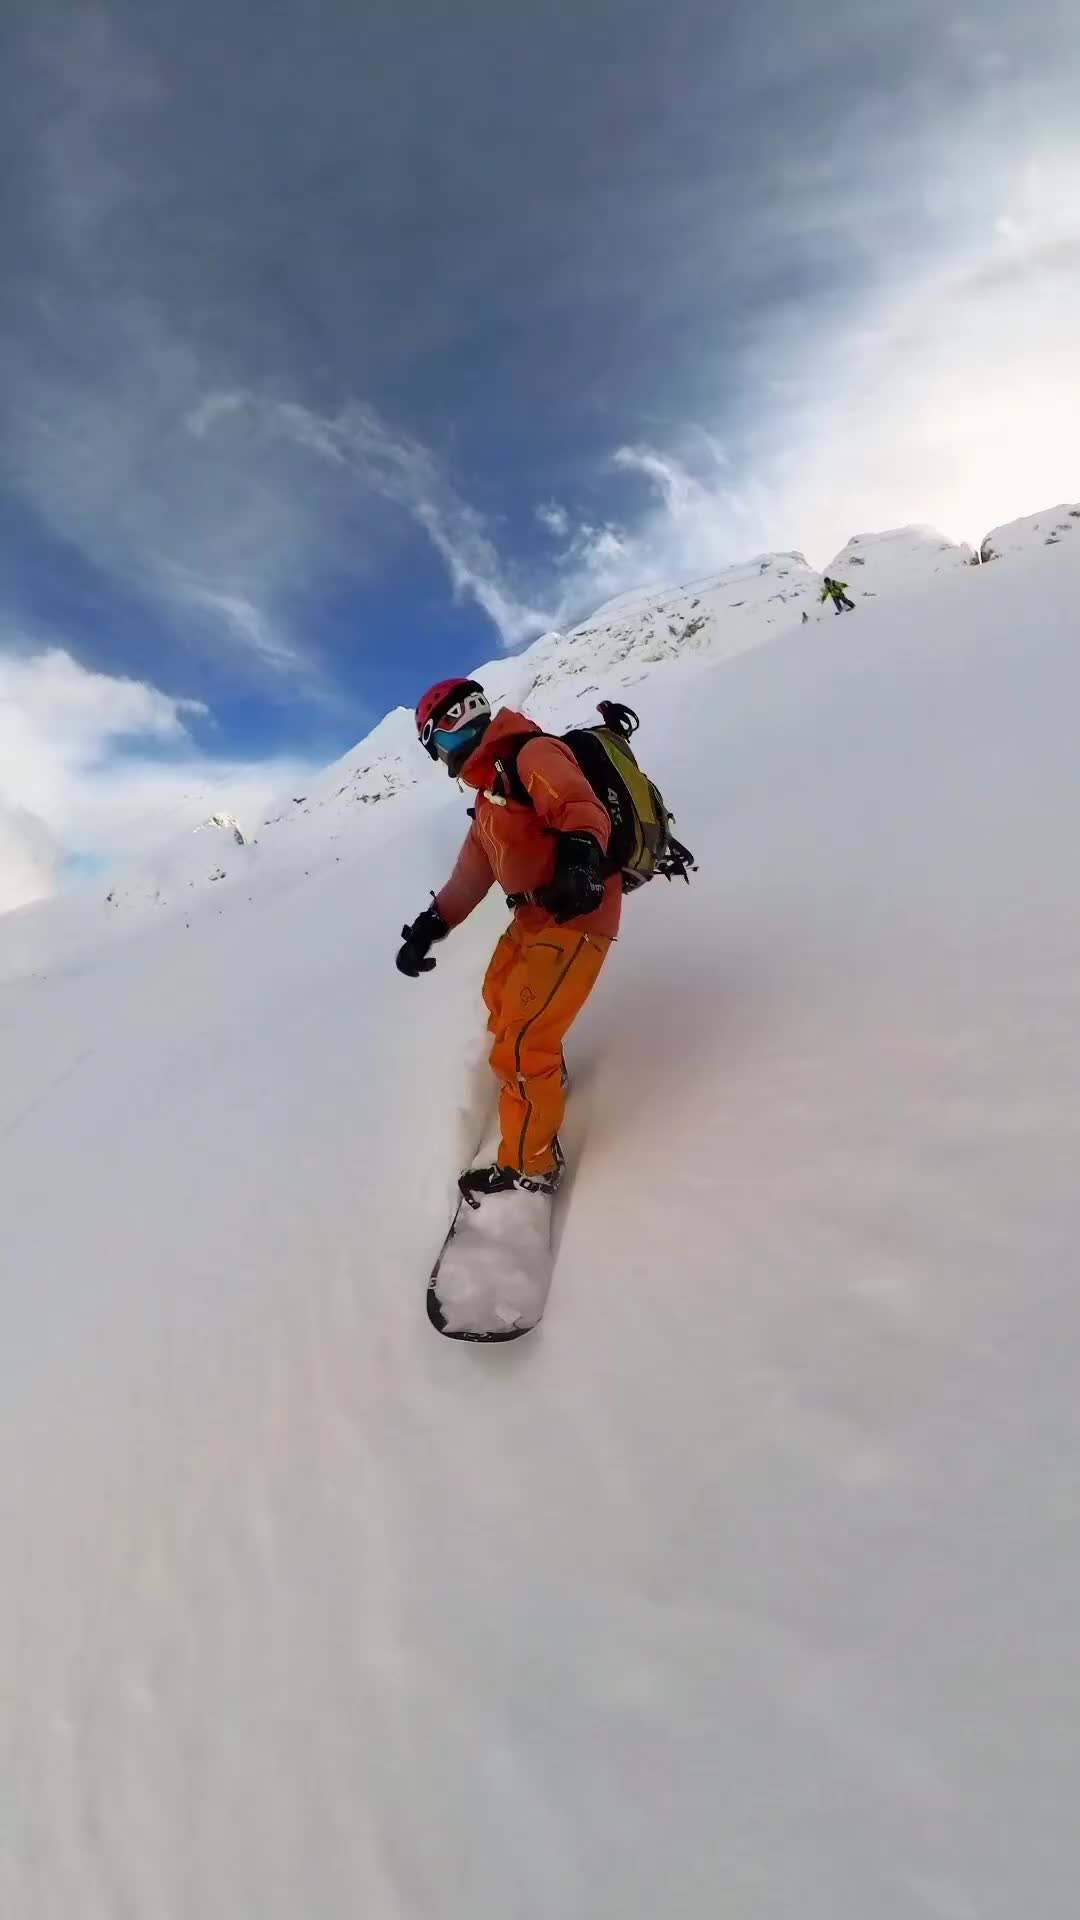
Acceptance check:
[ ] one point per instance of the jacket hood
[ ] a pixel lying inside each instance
(479, 768)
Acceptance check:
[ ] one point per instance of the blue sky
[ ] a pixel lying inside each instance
(346, 341)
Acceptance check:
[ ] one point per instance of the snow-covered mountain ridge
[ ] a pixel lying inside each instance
(559, 677)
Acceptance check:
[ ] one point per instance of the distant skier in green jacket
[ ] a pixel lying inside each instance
(836, 591)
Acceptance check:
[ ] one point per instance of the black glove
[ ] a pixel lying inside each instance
(578, 886)
(428, 927)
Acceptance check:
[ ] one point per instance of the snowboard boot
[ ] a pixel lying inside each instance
(477, 1183)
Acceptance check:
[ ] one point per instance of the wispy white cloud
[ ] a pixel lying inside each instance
(405, 472)
(553, 518)
(80, 772)
(249, 625)
(399, 469)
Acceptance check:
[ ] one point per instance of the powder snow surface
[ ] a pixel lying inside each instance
(749, 1584)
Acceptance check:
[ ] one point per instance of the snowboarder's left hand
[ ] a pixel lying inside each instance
(578, 886)
(428, 927)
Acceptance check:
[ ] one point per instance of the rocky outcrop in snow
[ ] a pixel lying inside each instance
(875, 564)
(1044, 529)
(225, 823)
(715, 616)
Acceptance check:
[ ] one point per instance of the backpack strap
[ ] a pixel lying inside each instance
(507, 768)
(616, 718)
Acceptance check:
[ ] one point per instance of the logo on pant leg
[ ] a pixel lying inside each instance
(527, 996)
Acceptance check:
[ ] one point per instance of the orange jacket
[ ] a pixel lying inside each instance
(513, 844)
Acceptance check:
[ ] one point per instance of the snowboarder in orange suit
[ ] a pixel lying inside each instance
(548, 854)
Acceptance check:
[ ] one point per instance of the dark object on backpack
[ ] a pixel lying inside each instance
(642, 843)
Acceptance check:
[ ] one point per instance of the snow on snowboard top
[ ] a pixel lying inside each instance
(492, 1277)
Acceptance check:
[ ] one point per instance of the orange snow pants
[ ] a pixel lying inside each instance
(536, 985)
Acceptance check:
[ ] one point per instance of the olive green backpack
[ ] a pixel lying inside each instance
(642, 844)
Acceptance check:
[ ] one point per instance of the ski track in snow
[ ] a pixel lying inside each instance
(748, 1583)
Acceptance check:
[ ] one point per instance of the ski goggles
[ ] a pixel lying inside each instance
(440, 729)
(447, 744)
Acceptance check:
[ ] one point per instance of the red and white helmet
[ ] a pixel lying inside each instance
(451, 707)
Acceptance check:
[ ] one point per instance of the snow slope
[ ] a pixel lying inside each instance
(749, 1584)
